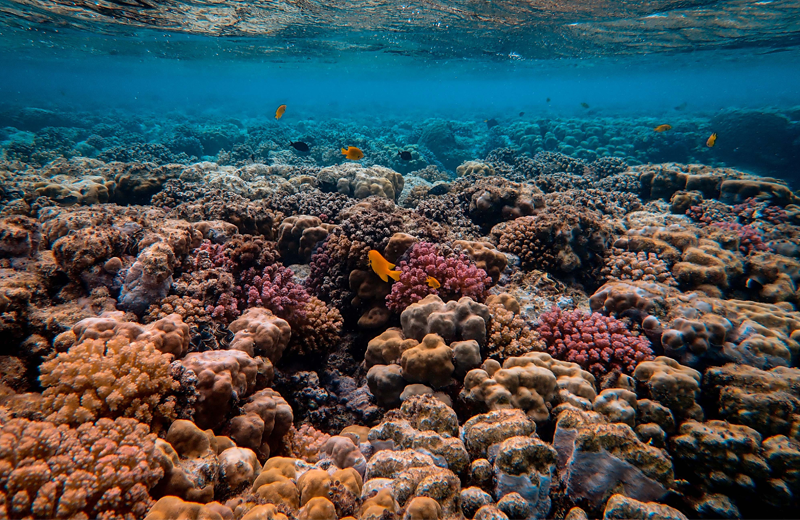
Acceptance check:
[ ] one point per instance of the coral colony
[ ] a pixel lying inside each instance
(202, 326)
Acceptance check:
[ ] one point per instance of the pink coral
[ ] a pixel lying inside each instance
(598, 343)
(276, 290)
(753, 209)
(749, 238)
(457, 274)
(273, 288)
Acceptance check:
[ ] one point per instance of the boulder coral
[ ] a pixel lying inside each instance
(563, 240)
(359, 182)
(462, 320)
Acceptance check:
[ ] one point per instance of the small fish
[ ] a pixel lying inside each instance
(252, 157)
(280, 111)
(432, 282)
(352, 153)
(382, 267)
(548, 100)
(585, 105)
(491, 123)
(662, 128)
(439, 189)
(521, 114)
(682, 106)
(712, 139)
(299, 146)
(405, 155)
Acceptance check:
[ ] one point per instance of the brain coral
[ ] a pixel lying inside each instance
(99, 470)
(598, 343)
(108, 378)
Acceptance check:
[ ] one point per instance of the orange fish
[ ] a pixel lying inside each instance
(433, 282)
(662, 128)
(382, 267)
(280, 111)
(353, 153)
(711, 140)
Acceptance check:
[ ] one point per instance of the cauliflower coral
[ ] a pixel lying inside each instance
(598, 343)
(457, 276)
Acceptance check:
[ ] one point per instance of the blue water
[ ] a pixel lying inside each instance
(92, 92)
(686, 90)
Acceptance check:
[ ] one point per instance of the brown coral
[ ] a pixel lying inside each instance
(102, 469)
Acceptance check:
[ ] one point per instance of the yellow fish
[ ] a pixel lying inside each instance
(382, 267)
(353, 153)
(711, 140)
(662, 128)
(280, 111)
(433, 282)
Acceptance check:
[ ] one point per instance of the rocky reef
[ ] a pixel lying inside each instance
(578, 329)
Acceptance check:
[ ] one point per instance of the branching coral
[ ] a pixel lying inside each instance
(275, 289)
(750, 240)
(627, 265)
(561, 239)
(108, 378)
(456, 274)
(509, 334)
(598, 343)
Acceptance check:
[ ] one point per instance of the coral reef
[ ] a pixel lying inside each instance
(579, 329)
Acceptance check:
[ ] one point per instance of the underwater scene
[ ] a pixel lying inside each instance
(421, 260)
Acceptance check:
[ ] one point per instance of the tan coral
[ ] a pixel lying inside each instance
(359, 182)
(509, 334)
(189, 462)
(462, 320)
(267, 418)
(306, 442)
(531, 383)
(475, 168)
(675, 386)
(259, 332)
(299, 235)
(485, 256)
(220, 375)
(171, 507)
(429, 363)
(388, 347)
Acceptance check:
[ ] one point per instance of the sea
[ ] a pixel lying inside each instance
(393, 245)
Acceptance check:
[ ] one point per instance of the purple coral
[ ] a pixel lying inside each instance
(596, 342)
(457, 275)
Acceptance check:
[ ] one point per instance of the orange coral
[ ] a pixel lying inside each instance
(113, 378)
